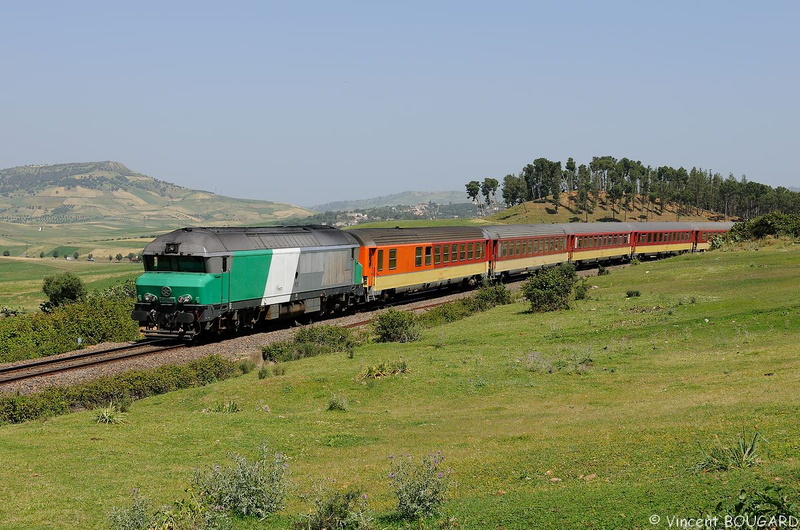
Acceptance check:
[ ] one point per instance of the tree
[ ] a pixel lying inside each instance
(55, 253)
(62, 289)
(473, 189)
(41, 254)
(6, 253)
(75, 254)
(90, 256)
(584, 187)
(489, 190)
(110, 258)
(513, 190)
(119, 257)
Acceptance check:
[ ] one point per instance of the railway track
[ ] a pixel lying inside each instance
(47, 366)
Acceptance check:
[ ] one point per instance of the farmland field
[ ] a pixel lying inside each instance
(593, 417)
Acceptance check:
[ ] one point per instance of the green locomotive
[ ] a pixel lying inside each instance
(201, 280)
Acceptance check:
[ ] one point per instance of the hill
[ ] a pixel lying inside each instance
(637, 210)
(406, 198)
(102, 191)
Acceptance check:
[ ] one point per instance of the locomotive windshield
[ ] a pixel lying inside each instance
(175, 263)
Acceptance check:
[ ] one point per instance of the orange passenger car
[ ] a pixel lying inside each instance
(396, 260)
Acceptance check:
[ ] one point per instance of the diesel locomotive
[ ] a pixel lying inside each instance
(211, 280)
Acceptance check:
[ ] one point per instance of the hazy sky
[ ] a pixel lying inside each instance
(309, 102)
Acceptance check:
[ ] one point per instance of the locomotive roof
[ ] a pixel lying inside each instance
(198, 241)
(400, 236)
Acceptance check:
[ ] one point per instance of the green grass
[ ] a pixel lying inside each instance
(21, 279)
(709, 349)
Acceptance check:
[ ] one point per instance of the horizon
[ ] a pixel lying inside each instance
(316, 103)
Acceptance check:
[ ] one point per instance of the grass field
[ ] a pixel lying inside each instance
(709, 349)
(21, 279)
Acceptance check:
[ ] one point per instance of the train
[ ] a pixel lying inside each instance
(200, 281)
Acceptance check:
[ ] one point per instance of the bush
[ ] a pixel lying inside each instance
(249, 489)
(310, 341)
(582, 290)
(338, 510)
(246, 366)
(102, 317)
(6, 253)
(17, 408)
(550, 289)
(264, 372)
(602, 271)
(489, 296)
(396, 326)
(63, 289)
(633, 294)
(420, 488)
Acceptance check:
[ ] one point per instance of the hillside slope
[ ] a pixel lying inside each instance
(109, 191)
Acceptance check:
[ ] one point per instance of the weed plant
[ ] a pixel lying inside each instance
(225, 407)
(338, 510)
(384, 369)
(762, 505)
(110, 415)
(338, 402)
(248, 489)
(742, 454)
(420, 488)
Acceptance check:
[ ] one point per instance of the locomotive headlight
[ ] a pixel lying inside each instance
(148, 297)
(185, 299)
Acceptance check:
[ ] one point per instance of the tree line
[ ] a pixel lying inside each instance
(629, 184)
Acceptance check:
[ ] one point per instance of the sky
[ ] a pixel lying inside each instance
(311, 102)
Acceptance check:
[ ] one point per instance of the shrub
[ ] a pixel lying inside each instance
(602, 271)
(582, 290)
(6, 253)
(550, 289)
(310, 341)
(338, 402)
(396, 326)
(246, 366)
(633, 294)
(63, 288)
(744, 453)
(279, 370)
(420, 488)
(250, 489)
(17, 408)
(264, 372)
(338, 510)
(489, 296)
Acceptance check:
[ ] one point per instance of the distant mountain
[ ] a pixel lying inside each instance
(98, 191)
(407, 198)
(790, 188)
